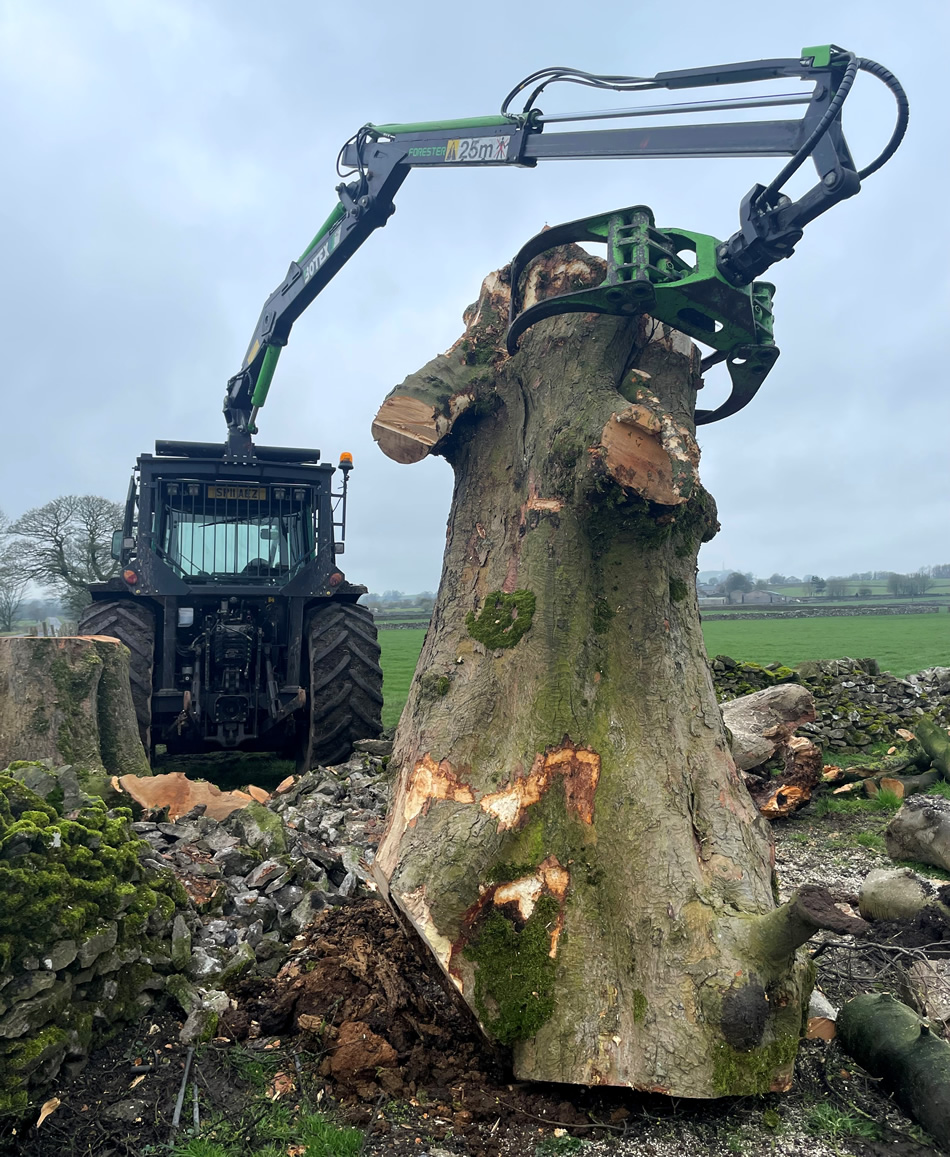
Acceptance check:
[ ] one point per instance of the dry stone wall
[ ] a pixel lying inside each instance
(857, 704)
(101, 914)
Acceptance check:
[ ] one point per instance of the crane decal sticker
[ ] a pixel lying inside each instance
(478, 149)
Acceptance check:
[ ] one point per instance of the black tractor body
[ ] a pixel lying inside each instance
(243, 631)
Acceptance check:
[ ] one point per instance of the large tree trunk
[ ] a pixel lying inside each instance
(68, 700)
(569, 834)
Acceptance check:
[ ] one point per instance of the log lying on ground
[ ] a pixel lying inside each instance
(68, 700)
(901, 785)
(921, 831)
(569, 835)
(889, 1040)
(761, 723)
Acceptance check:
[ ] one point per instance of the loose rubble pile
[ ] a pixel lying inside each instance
(857, 705)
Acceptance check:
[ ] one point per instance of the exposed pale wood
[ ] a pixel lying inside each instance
(179, 794)
(820, 1028)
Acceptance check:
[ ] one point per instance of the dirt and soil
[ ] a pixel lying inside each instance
(359, 1024)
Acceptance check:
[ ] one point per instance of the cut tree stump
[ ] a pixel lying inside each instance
(68, 700)
(569, 834)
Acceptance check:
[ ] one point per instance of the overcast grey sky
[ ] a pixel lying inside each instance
(166, 159)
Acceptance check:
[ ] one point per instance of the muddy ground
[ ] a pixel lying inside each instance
(358, 1024)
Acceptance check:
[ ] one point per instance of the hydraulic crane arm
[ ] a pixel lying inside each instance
(380, 157)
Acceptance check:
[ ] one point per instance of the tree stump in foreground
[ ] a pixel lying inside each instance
(69, 700)
(569, 834)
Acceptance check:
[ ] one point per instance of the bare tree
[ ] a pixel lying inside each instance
(920, 582)
(838, 587)
(568, 833)
(14, 578)
(66, 544)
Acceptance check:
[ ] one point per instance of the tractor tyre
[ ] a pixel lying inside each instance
(346, 683)
(133, 624)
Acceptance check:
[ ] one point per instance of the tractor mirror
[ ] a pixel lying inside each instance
(117, 544)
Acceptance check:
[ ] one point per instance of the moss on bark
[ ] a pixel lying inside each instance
(514, 984)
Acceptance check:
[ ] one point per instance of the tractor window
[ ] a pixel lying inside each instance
(210, 531)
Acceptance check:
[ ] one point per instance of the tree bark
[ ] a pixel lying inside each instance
(68, 700)
(569, 834)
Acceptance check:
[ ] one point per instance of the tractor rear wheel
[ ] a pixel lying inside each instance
(346, 682)
(131, 623)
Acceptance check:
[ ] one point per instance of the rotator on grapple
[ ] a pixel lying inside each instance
(242, 629)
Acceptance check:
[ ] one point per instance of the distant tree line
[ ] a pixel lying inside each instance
(398, 601)
(836, 586)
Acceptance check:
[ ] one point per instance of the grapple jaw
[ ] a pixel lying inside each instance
(671, 275)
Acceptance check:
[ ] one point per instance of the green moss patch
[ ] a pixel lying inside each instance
(64, 878)
(678, 590)
(740, 1073)
(503, 620)
(514, 981)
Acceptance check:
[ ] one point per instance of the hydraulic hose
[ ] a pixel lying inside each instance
(903, 113)
(814, 137)
(855, 65)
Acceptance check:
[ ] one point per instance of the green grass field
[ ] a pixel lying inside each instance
(900, 643)
(400, 653)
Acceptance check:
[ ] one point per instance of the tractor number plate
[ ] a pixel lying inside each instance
(256, 493)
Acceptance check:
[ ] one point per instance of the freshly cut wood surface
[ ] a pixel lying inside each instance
(179, 794)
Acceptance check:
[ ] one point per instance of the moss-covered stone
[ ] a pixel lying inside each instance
(514, 981)
(62, 879)
(504, 619)
(260, 829)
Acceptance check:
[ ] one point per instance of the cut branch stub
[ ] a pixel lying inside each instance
(647, 452)
(421, 414)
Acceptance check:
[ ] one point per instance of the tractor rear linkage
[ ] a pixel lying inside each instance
(710, 293)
